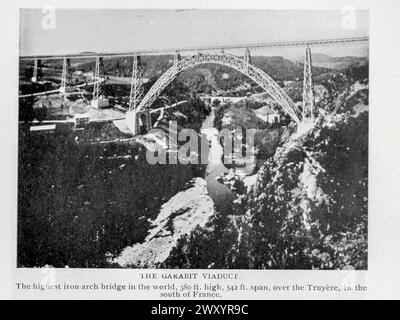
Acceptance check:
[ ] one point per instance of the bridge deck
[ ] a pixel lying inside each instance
(321, 42)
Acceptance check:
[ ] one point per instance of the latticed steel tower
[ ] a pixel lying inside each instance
(136, 83)
(308, 89)
(37, 70)
(98, 78)
(247, 58)
(66, 78)
(177, 58)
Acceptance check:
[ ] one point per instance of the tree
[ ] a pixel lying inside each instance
(216, 103)
(41, 113)
(26, 110)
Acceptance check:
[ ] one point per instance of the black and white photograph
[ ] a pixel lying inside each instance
(193, 139)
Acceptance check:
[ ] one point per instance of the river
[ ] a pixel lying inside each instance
(219, 192)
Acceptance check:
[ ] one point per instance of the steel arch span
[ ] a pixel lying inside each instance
(234, 62)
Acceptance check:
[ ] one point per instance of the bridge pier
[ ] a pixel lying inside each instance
(66, 77)
(136, 83)
(308, 112)
(99, 100)
(131, 121)
(177, 58)
(247, 58)
(37, 70)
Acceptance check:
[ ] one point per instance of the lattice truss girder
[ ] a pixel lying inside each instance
(66, 78)
(241, 65)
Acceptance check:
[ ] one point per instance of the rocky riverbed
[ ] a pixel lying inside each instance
(178, 217)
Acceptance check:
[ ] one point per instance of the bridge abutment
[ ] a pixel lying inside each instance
(138, 122)
(130, 118)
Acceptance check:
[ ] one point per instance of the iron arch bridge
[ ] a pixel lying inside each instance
(242, 65)
(140, 107)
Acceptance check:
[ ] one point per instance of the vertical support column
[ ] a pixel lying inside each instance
(66, 78)
(99, 101)
(132, 120)
(95, 79)
(148, 118)
(36, 70)
(308, 89)
(177, 58)
(247, 58)
(98, 77)
(136, 84)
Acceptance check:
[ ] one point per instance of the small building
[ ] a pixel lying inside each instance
(267, 114)
(89, 74)
(100, 103)
(221, 99)
(81, 120)
(67, 90)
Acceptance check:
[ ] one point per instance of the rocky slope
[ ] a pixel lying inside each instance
(309, 207)
(178, 217)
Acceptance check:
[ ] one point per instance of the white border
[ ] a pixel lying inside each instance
(384, 210)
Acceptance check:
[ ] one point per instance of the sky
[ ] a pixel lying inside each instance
(79, 30)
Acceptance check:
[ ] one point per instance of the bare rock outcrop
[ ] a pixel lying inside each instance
(178, 217)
